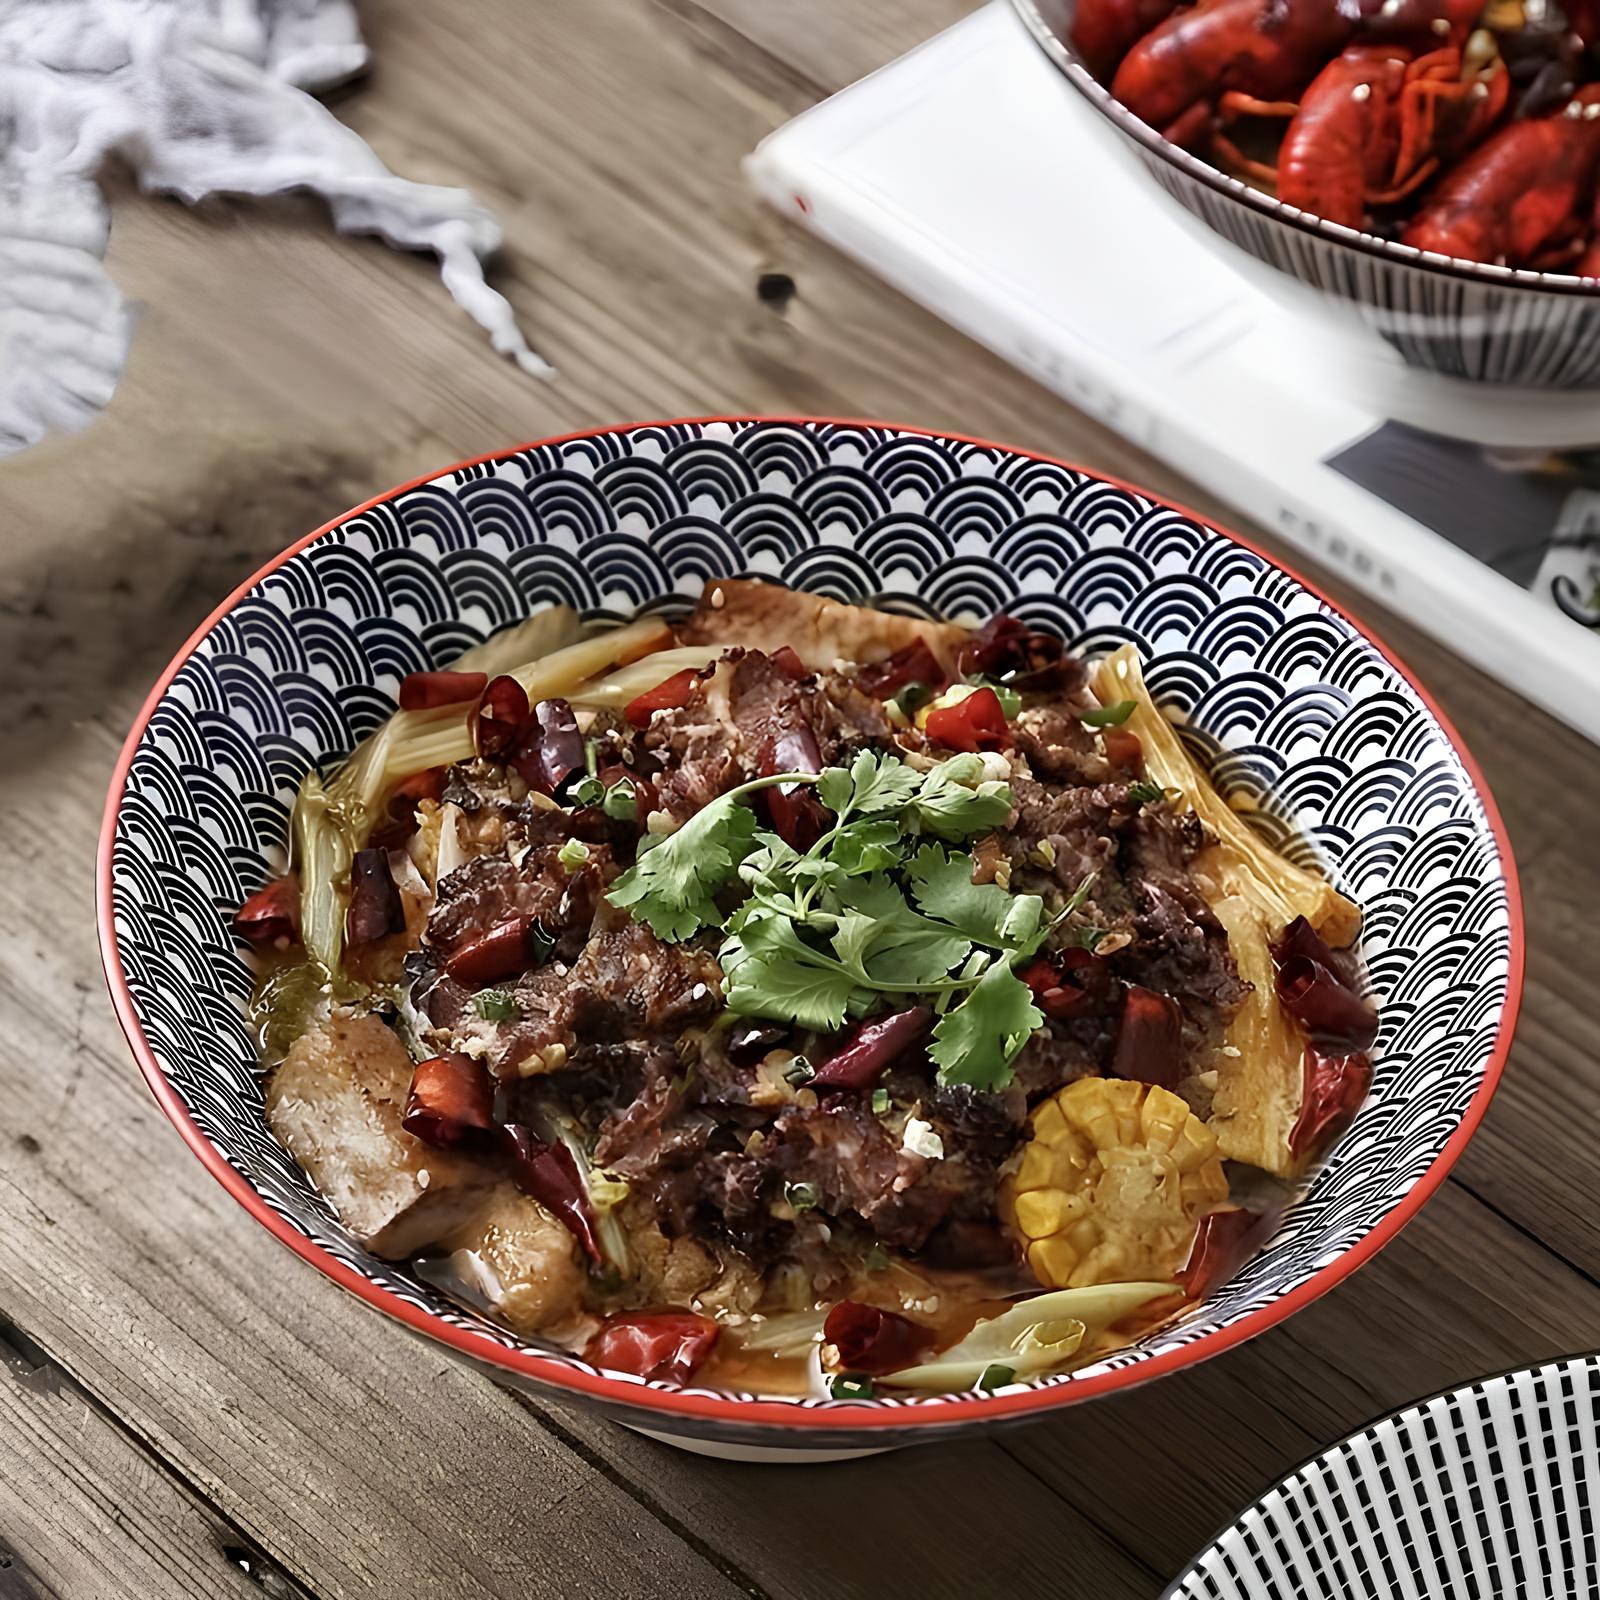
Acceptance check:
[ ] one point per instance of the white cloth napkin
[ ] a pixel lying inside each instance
(198, 97)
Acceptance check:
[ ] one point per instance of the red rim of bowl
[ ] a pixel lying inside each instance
(1062, 56)
(924, 1415)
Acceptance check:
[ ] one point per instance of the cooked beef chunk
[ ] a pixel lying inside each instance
(1076, 828)
(1059, 747)
(490, 890)
(627, 987)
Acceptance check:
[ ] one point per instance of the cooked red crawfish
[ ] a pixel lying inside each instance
(1377, 123)
(1521, 195)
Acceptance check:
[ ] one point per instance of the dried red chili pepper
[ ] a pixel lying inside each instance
(872, 1340)
(788, 662)
(549, 1174)
(499, 717)
(1334, 1088)
(272, 914)
(1056, 996)
(451, 1101)
(870, 1048)
(1331, 1014)
(1123, 749)
(376, 909)
(1149, 1038)
(1024, 657)
(913, 663)
(669, 1346)
(666, 696)
(796, 815)
(506, 950)
(1224, 1241)
(975, 723)
(426, 691)
(551, 748)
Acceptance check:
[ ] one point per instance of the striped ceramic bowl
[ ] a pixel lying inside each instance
(1486, 324)
(1291, 702)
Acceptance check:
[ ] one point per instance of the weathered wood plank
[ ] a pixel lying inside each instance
(85, 1510)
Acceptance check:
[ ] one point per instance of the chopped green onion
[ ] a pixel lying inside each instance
(802, 1196)
(850, 1386)
(1109, 716)
(621, 803)
(799, 1071)
(880, 1101)
(1010, 700)
(876, 1258)
(1088, 938)
(913, 697)
(1146, 793)
(588, 791)
(996, 1376)
(494, 1005)
(591, 757)
(573, 854)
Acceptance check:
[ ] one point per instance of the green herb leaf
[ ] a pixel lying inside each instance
(996, 1376)
(773, 973)
(673, 886)
(874, 784)
(1112, 716)
(984, 912)
(874, 844)
(956, 802)
(880, 1102)
(494, 1005)
(975, 1042)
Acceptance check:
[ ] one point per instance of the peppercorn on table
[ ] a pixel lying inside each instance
(189, 1410)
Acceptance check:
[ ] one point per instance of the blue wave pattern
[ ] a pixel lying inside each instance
(1289, 705)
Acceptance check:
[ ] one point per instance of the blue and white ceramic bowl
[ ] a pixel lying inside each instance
(1487, 324)
(1486, 1491)
(1285, 695)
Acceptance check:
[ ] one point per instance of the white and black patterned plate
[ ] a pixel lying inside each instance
(1281, 691)
(1485, 1493)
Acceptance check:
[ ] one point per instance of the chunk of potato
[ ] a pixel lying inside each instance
(335, 1104)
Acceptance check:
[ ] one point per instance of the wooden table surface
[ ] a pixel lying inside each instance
(185, 1408)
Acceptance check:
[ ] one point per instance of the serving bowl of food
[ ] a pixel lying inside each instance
(1431, 163)
(809, 935)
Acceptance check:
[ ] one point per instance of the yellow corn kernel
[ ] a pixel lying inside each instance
(1112, 1184)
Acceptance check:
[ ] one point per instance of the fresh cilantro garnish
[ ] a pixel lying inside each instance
(874, 784)
(975, 1042)
(674, 886)
(879, 912)
(986, 913)
(956, 803)
(1112, 716)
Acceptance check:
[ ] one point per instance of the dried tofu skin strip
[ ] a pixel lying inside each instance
(763, 616)
(1256, 893)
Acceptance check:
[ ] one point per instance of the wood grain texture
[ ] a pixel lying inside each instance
(219, 1394)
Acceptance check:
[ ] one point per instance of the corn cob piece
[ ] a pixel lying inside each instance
(1112, 1185)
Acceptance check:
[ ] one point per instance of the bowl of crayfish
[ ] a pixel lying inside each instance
(1433, 163)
